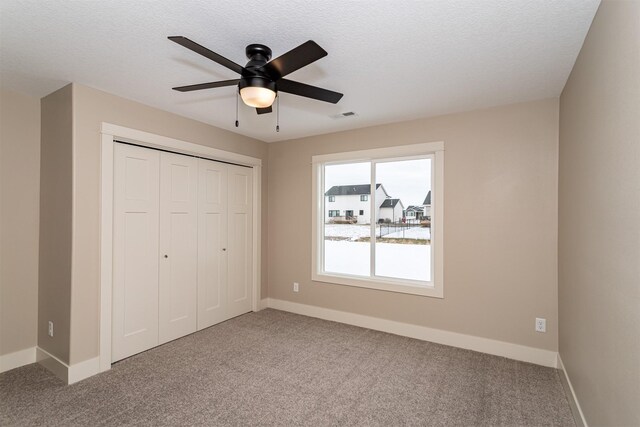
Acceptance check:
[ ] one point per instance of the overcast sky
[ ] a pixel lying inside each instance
(407, 180)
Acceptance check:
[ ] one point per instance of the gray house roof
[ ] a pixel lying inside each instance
(350, 190)
(390, 203)
(427, 200)
(414, 208)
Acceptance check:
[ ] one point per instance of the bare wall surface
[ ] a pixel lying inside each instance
(91, 108)
(599, 217)
(500, 229)
(19, 219)
(54, 283)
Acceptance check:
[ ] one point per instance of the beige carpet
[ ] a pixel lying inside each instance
(277, 368)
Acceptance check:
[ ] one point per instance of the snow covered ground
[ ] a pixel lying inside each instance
(354, 232)
(392, 259)
(411, 233)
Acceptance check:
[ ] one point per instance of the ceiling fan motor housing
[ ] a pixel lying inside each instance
(252, 76)
(258, 55)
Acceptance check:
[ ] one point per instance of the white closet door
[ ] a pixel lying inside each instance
(135, 250)
(240, 247)
(212, 243)
(178, 246)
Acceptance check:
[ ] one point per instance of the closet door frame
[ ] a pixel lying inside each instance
(111, 133)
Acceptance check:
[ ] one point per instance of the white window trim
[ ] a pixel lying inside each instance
(436, 149)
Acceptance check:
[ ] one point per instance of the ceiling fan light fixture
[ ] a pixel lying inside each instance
(258, 97)
(257, 92)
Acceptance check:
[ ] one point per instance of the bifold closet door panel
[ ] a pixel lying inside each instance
(135, 250)
(178, 246)
(212, 243)
(240, 247)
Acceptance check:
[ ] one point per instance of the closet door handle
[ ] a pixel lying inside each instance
(224, 249)
(166, 256)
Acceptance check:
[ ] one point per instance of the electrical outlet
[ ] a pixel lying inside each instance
(541, 324)
(50, 328)
(296, 287)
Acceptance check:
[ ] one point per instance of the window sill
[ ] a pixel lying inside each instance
(389, 285)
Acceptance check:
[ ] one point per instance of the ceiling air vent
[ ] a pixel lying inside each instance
(343, 115)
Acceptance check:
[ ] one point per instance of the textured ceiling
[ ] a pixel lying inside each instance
(393, 60)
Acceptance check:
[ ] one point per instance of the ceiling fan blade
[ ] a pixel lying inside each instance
(210, 85)
(191, 45)
(301, 89)
(264, 110)
(293, 60)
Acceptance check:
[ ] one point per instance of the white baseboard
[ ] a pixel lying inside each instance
(17, 359)
(576, 410)
(484, 345)
(52, 363)
(68, 373)
(263, 303)
(84, 369)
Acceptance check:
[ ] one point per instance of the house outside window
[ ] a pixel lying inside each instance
(380, 248)
(334, 213)
(347, 199)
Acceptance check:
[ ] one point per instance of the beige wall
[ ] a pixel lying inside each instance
(599, 217)
(500, 223)
(54, 288)
(19, 219)
(90, 108)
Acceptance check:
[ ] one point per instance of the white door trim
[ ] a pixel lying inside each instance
(109, 132)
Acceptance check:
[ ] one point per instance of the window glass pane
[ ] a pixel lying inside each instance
(403, 233)
(347, 219)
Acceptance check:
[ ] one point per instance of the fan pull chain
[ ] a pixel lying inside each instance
(278, 116)
(237, 96)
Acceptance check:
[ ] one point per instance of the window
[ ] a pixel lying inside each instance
(334, 214)
(381, 250)
(332, 198)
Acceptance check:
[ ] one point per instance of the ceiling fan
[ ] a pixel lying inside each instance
(261, 79)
